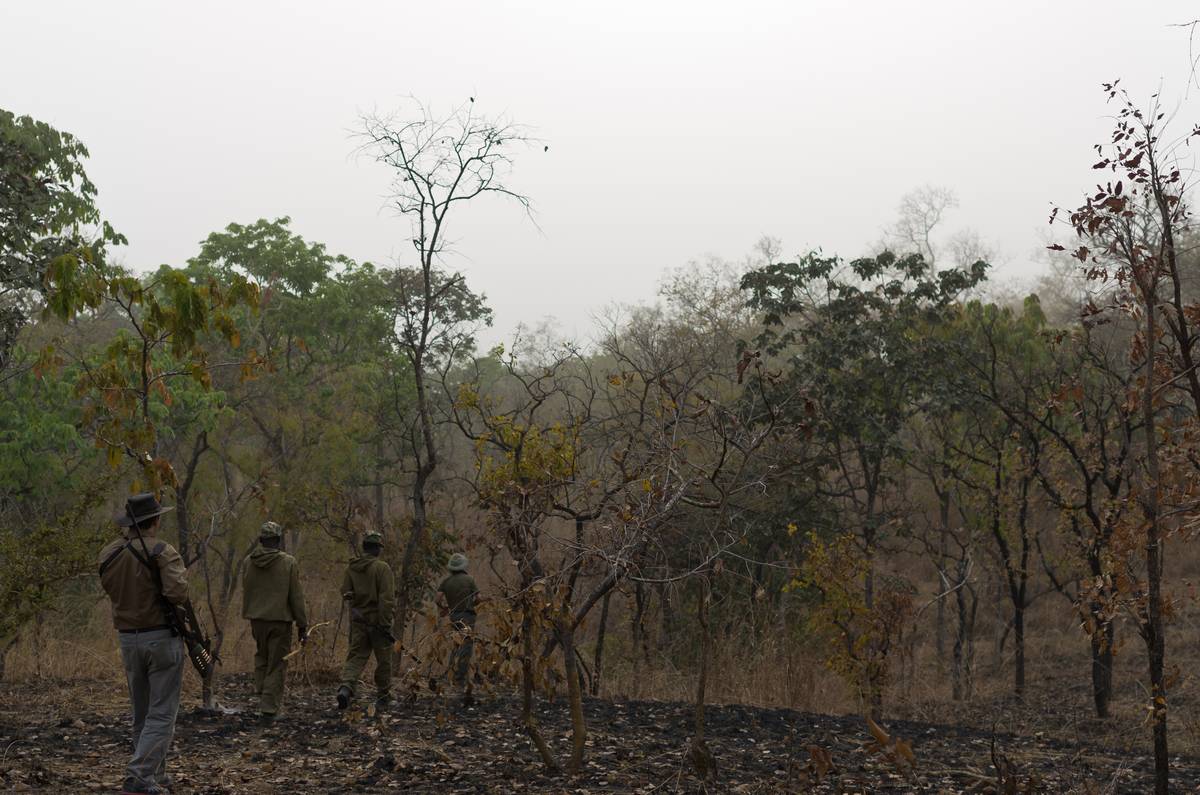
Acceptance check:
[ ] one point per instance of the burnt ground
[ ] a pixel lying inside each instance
(72, 737)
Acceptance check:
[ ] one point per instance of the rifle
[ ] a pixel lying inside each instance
(187, 624)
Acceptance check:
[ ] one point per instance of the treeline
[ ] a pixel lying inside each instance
(790, 449)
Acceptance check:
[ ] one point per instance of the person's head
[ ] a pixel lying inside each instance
(372, 544)
(458, 562)
(141, 513)
(270, 535)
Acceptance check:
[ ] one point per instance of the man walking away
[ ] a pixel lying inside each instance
(138, 573)
(272, 600)
(458, 596)
(369, 588)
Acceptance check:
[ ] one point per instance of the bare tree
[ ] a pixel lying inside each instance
(920, 212)
(438, 164)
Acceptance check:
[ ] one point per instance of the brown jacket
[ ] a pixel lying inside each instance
(130, 585)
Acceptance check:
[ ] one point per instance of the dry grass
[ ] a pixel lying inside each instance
(75, 642)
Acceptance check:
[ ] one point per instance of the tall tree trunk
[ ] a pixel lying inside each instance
(1153, 633)
(598, 660)
(426, 464)
(637, 629)
(1101, 641)
(416, 538)
(943, 537)
(574, 695)
(960, 675)
(702, 757)
(1019, 650)
(528, 720)
(666, 619)
(6, 645)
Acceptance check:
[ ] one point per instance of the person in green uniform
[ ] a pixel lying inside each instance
(458, 596)
(272, 600)
(371, 592)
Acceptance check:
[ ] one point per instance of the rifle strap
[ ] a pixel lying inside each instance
(112, 558)
(150, 561)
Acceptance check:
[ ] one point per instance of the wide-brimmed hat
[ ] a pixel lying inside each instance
(270, 530)
(458, 562)
(139, 508)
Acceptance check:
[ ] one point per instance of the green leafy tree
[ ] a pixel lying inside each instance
(854, 336)
(48, 216)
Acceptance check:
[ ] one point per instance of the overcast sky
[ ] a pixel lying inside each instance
(677, 130)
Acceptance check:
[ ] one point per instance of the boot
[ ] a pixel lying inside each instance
(343, 697)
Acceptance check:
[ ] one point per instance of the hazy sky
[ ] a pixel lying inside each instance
(676, 129)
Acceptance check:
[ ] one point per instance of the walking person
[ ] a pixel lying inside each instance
(458, 596)
(144, 578)
(272, 601)
(370, 589)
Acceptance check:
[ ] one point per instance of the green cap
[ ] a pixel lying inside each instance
(270, 530)
(458, 562)
(373, 538)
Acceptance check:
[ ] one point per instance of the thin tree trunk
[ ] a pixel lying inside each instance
(943, 535)
(37, 645)
(1019, 641)
(528, 721)
(575, 696)
(1102, 657)
(6, 646)
(959, 671)
(1155, 644)
(641, 650)
(598, 661)
(702, 757)
(666, 619)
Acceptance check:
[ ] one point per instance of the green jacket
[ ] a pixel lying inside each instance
(460, 592)
(369, 588)
(271, 587)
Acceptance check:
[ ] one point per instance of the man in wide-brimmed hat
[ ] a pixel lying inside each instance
(272, 600)
(370, 589)
(138, 571)
(458, 596)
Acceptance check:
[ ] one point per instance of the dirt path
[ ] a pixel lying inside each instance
(73, 738)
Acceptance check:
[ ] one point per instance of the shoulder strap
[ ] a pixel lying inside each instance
(146, 561)
(113, 557)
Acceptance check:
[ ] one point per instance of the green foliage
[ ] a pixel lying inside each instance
(860, 636)
(856, 337)
(125, 387)
(48, 215)
(50, 548)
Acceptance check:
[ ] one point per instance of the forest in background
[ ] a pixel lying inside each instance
(872, 484)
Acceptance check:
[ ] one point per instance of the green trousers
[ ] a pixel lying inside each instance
(365, 639)
(464, 646)
(272, 641)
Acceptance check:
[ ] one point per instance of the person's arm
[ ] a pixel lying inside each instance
(440, 600)
(174, 575)
(386, 588)
(347, 585)
(296, 599)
